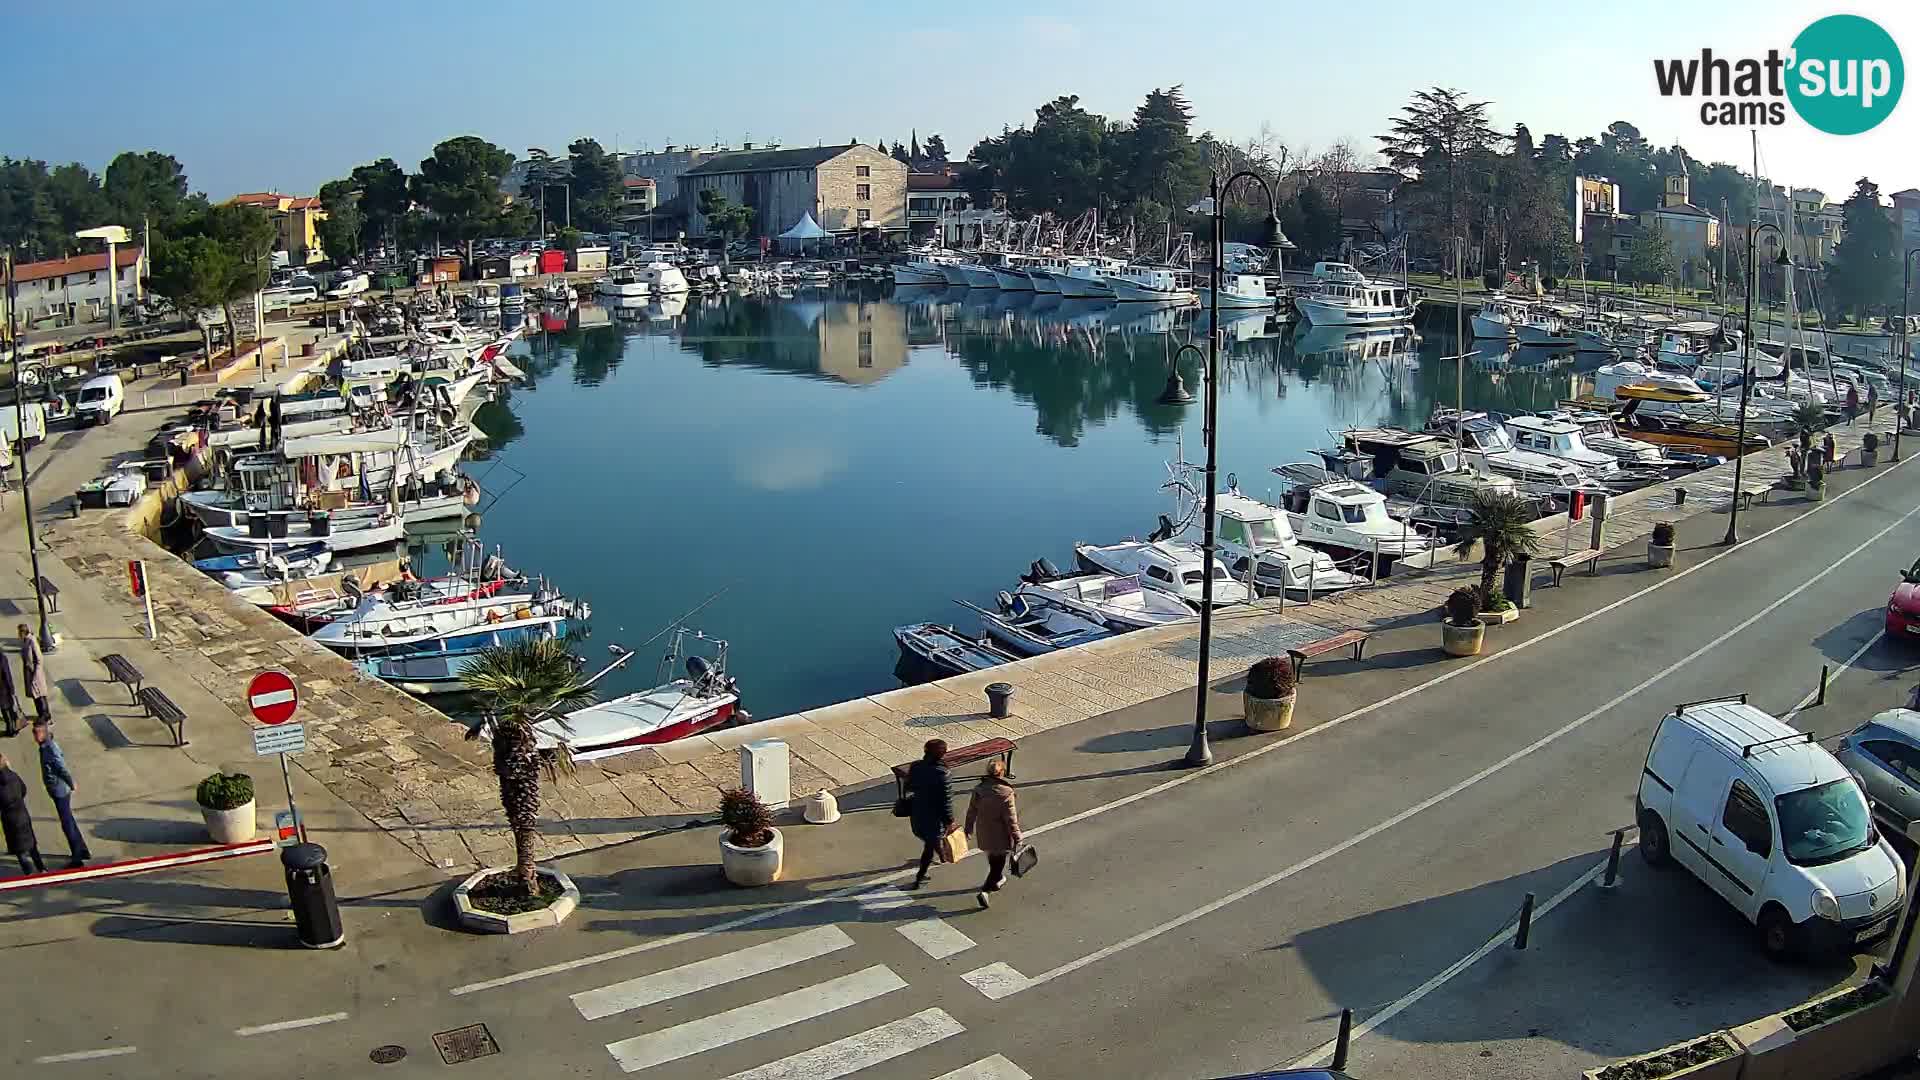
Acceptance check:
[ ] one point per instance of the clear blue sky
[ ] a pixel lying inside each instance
(255, 96)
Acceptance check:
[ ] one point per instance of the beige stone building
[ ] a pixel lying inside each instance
(845, 189)
(1691, 230)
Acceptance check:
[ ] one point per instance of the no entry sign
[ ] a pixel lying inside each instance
(272, 697)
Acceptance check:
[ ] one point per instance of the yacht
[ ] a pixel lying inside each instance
(1114, 600)
(1346, 518)
(661, 278)
(1599, 432)
(1262, 291)
(1168, 566)
(623, 283)
(1152, 284)
(1337, 302)
(1566, 440)
(1426, 469)
(1498, 317)
(1259, 544)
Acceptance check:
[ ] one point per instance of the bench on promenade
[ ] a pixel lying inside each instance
(960, 755)
(49, 592)
(161, 707)
(1748, 492)
(1354, 639)
(1590, 558)
(122, 671)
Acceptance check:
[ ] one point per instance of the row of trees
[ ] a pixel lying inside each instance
(42, 206)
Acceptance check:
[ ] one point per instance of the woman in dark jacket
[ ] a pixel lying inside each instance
(931, 803)
(16, 822)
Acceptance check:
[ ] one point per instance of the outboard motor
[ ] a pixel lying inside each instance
(1164, 532)
(351, 586)
(699, 670)
(1005, 600)
(1048, 571)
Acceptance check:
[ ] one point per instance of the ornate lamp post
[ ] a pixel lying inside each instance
(1746, 374)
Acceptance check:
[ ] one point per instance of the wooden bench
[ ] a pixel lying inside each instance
(1749, 492)
(161, 707)
(1356, 639)
(122, 671)
(1590, 558)
(958, 756)
(48, 592)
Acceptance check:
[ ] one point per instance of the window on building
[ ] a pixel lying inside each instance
(866, 339)
(863, 192)
(864, 216)
(863, 170)
(93, 277)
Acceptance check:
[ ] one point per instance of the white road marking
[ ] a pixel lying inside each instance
(85, 1055)
(885, 899)
(765, 914)
(846, 1056)
(714, 971)
(1324, 1052)
(720, 1029)
(289, 1025)
(988, 1068)
(1844, 665)
(996, 980)
(936, 938)
(1431, 801)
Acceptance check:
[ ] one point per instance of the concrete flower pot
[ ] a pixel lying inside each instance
(1869, 458)
(474, 918)
(1268, 714)
(235, 826)
(1849, 1045)
(1817, 492)
(1659, 556)
(752, 866)
(1501, 617)
(1462, 640)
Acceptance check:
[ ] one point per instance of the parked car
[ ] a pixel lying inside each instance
(1884, 755)
(1771, 821)
(1903, 607)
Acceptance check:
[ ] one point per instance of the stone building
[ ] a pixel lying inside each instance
(846, 189)
(296, 223)
(1690, 229)
(65, 292)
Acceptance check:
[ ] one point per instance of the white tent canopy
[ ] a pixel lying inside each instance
(805, 229)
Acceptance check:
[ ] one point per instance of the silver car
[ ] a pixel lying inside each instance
(1884, 753)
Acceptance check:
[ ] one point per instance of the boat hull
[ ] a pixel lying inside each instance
(1012, 280)
(234, 540)
(954, 274)
(1238, 301)
(1484, 327)
(1083, 288)
(1320, 313)
(979, 277)
(907, 275)
(1134, 292)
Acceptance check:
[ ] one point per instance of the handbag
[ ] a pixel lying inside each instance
(1025, 860)
(903, 806)
(953, 846)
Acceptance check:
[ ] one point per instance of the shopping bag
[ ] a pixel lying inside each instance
(953, 846)
(903, 806)
(1025, 860)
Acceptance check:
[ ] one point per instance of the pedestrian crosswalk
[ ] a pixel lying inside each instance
(663, 1006)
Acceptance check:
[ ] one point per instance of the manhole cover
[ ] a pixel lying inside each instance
(387, 1055)
(465, 1044)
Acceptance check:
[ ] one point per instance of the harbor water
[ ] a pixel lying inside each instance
(836, 463)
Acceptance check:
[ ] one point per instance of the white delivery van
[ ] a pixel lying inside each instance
(1771, 821)
(28, 421)
(99, 400)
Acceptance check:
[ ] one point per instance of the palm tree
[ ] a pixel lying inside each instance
(522, 682)
(1809, 417)
(1501, 525)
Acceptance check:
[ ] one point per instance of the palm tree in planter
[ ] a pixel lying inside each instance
(1501, 523)
(1461, 631)
(1660, 546)
(1269, 695)
(1809, 418)
(522, 683)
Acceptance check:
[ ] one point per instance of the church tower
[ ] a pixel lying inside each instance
(1679, 189)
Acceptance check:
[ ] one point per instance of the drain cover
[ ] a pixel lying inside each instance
(387, 1055)
(465, 1044)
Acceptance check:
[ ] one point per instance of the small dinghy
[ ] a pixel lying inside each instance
(947, 651)
(252, 560)
(352, 535)
(705, 699)
(1030, 626)
(1117, 602)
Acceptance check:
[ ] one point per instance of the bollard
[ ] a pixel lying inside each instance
(1374, 578)
(1679, 495)
(999, 700)
(1343, 1040)
(1612, 878)
(1821, 697)
(1526, 923)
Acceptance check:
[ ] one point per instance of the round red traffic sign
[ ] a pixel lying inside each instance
(272, 697)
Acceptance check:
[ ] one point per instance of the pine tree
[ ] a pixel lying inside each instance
(1864, 272)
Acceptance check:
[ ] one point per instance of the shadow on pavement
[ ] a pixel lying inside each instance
(172, 832)
(244, 935)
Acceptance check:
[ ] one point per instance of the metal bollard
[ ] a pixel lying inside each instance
(1526, 923)
(1374, 578)
(1343, 1040)
(1612, 878)
(1821, 697)
(1679, 495)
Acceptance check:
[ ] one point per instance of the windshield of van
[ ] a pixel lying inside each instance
(92, 393)
(1825, 823)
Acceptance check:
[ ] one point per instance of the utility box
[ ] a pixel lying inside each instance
(763, 771)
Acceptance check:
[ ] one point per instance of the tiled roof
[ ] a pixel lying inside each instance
(304, 202)
(1684, 209)
(746, 161)
(258, 198)
(78, 264)
(638, 181)
(931, 182)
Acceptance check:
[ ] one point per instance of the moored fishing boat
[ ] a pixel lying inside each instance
(945, 651)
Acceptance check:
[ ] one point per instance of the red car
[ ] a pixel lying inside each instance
(1903, 608)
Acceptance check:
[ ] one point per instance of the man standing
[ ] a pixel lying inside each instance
(59, 780)
(1873, 401)
(16, 823)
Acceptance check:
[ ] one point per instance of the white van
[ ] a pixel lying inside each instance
(99, 400)
(1771, 821)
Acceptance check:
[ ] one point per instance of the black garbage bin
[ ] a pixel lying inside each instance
(1519, 584)
(316, 914)
(320, 523)
(999, 700)
(257, 526)
(277, 525)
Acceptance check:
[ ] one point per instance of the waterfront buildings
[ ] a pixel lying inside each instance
(296, 218)
(74, 290)
(1691, 230)
(847, 189)
(665, 167)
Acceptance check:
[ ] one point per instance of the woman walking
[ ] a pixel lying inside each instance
(33, 671)
(9, 701)
(16, 823)
(994, 823)
(931, 805)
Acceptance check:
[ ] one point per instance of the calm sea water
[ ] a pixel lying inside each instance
(843, 462)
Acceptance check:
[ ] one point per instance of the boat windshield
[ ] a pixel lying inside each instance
(1353, 514)
(1493, 438)
(1263, 533)
(1194, 577)
(1824, 824)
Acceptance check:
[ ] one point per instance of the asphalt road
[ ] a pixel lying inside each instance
(1182, 925)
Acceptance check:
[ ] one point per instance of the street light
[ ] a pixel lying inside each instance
(1746, 374)
(1905, 355)
(47, 643)
(1200, 752)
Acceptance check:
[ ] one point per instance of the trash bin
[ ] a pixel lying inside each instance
(277, 525)
(316, 914)
(320, 523)
(257, 526)
(999, 700)
(1519, 585)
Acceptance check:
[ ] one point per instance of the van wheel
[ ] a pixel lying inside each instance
(1653, 840)
(1778, 937)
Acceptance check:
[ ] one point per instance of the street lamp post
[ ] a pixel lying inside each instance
(1905, 353)
(1746, 378)
(1200, 753)
(26, 492)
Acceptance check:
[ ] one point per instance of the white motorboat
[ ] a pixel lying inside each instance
(1010, 272)
(1258, 542)
(351, 535)
(1168, 566)
(677, 708)
(1498, 317)
(1543, 327)
(926, 268)
(1118, 602)
(1086, 279)
(1347, 518)
(415, 615)
(623, 283)
(559, 290)
(1152, 284)
(272, 569)
(1348, 303)
(1027, 625)
(1685, 346)
(976, 275)
(438, 666)
(1480, 437)
(483, 298)
(1597, 431)
(661, 278)
(1565, 441)
(1261, 291)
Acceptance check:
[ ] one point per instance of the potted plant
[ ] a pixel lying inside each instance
(1660, 546)
(1869, 450)
(1797, 469)
(226, 802)
(1713, 1056)
(1816, 480)
(1808, 418)
(1501, 523)
(1269, 695)
(1461, 631)
(750, 849)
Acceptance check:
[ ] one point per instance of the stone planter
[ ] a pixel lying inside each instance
(1795, 482)
(1462, 640)
(473, 918)
(1726, 1068)
(235, 826)
(752, 866)
(1659, 556)
(1851, 1045)
(1816, 492)
(1268, 714)
(1869, 458)
(1500, 618)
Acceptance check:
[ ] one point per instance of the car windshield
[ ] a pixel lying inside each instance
(92, 393)
(1825, 823)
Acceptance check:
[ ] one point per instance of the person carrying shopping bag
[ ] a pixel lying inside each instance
(993, 821)
(929, 805)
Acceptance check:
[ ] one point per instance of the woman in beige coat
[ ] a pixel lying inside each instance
(994, 823)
